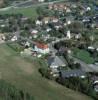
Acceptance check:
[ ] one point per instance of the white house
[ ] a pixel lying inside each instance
(34, 33)
(68, 35)
(48, 29)
(38, 22)
(41, 0)
(14, 38)
(41, 48)
(68, 22)
(68, 10)
(91, 48)
(88, 8)
(55, 20)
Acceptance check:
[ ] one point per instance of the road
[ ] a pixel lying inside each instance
(30, 3)
(27, 4)
(59, 40)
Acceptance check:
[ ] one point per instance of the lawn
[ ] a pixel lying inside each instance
(83, 55)
(23, 73)
(29, 12)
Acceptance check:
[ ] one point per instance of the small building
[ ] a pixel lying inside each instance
(91, 48)
(95, 83)
(41, 48)
(34, 33)
(46, 20)
(50, 6)
(38, 22)
(14, 38)
(54, 20)
(88, 9)
(68, 34)
(48, 29)
(41, 0)
(55, 62)
(72, 73)
(78, 36)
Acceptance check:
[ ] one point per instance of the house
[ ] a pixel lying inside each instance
(91, 48)
(27, 44)
(41, 0)
(95, 83)
(55, 7)
(54, 20)
(69, 19)
(68, 10)
(55, 62)
(41, 48)
(50, 6)
(38, 22)
(24, 18)
(60, 6)
(68, 35)
(2, 38)
(34, 32)
(57, 26)
(78, 36)
(88, 8)
(48, 29)
(72, 73)
(46, 20)
(86, 19)
(14, 38)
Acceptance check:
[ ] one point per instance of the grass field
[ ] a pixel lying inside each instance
(29, 12)
(84, 56)
(24, 75)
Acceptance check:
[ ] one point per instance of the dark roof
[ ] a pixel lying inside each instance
(50, 60)
(55, 61)
(72, 73)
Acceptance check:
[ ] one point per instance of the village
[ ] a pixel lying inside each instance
(65, 36)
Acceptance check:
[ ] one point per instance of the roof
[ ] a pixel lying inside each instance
(42, 45)
(34, 32)
(46, 18)
(72, 73)
(55, 61)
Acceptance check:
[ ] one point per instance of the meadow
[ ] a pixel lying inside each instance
(28, 12)
(23, 74)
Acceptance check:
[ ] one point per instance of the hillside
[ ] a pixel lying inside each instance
(1, 3)
(24, 75)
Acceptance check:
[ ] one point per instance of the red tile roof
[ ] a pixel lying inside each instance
(42, 45)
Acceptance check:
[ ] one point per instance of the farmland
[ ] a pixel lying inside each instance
(24, 74)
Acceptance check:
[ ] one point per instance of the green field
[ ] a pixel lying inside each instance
(29, 12)
(24, 75)
(84, 56)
